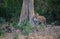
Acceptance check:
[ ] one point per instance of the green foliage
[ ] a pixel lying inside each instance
(53, 24)
(14, 24)
(12, 8)
(16, 36)
(25, 27)
(27, 30)
(48, 8)
(2, 20)
(23, 24)
(42, 26)
(1, 32)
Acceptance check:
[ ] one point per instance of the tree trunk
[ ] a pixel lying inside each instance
(31, 11)
(27, 11)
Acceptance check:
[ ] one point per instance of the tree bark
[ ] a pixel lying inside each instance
(31, 11)
(27, 11)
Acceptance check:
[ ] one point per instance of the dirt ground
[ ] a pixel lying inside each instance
(47, 33)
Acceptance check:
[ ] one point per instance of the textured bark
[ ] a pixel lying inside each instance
(27, 11)
(31, 11)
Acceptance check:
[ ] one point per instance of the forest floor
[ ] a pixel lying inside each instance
(47, 33)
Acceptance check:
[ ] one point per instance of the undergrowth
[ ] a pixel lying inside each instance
(25, 27)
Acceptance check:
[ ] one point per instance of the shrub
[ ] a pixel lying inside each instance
(25, 27)
(16, 36)
(14, 24)
(1, 31)
(2, 20)
(27, 30)
(42, 26)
